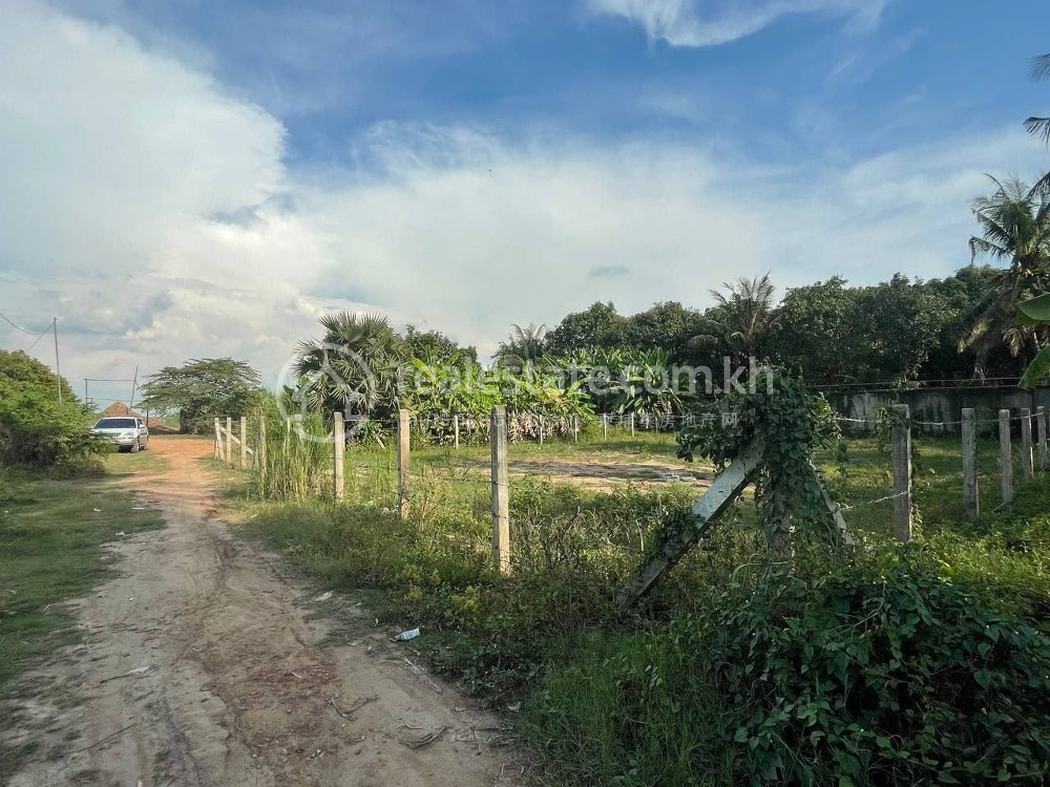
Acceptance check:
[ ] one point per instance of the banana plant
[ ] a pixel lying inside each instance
(1033, 313)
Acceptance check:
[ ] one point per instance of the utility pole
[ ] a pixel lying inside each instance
(134, 385)
(58, 372)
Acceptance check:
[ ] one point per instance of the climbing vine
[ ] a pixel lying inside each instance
(791, 423)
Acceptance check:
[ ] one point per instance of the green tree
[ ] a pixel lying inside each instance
(901, 324)
(815, 332)
(1015, 227)
(354, 367)
(35, 429)
(434, 347)
(665, 326)
(20, 373)
(598, 326)
(201, 390)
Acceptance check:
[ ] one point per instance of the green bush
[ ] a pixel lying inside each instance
(860, 676)
(35, 429)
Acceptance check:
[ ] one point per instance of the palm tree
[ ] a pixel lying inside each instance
(355, 366)
(747, 315)
(523, 346)
(1015, 226)
(1040, 126)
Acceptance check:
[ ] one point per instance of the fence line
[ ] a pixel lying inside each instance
(500, 428)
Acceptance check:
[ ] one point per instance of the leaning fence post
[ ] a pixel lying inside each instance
(500, 490)
(455, 432)
(1006, 463)
(1040, 422)
(404, 446)
(971, 494)
(244, 442)
(338, 446)
(229, 439)
(218, 439)
(900, 439)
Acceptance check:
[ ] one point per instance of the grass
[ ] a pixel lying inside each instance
(609, 699)
(52, 533)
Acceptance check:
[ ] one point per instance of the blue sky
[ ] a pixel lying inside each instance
(239, 168)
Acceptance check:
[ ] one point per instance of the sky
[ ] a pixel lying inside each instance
(201, 178)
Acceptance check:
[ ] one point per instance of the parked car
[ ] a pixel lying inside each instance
(128, 433)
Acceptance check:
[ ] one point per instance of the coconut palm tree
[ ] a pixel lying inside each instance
(353, 368)
(745, 311)
(523, 346)
(1040, 126)
(1015, 227)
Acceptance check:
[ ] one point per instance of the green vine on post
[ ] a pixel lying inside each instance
(792, 423)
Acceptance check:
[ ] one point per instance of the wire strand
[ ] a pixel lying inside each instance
(18, 327)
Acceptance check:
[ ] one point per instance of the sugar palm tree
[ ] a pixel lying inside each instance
(354, 367)
(1015, 227)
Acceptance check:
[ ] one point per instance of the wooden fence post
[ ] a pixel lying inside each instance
(338, 446)
(404, 447)
(229, 439)
(971, 494)
(1006, 461)
(218, 439)
(632, 426)
(542, 426)
(1040, 422)
(900, 442)
(244, 442)
(605, 426)
(500, 490)
(260, 447)
(576, 429)
(455, 432)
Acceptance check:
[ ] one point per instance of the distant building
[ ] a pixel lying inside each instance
(120, 409)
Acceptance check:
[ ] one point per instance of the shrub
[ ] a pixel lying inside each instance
(860, 676)
(37, 431)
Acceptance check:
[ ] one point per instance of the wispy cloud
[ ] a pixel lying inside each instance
(700, 23)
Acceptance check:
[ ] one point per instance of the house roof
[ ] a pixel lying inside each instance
(121, 409)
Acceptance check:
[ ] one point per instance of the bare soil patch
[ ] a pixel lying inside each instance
(199, 666)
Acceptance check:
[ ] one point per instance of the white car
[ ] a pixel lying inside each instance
(127, 432)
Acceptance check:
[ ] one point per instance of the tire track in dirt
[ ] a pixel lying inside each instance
(199, 668)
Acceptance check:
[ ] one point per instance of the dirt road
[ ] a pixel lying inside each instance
(199, 668)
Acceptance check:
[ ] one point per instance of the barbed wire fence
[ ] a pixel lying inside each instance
(379, 469)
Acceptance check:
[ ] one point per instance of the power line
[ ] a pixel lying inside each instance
(18, 327)
(37, 340)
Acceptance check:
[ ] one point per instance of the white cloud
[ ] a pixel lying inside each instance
(114, 163)
(152, 212)
(700, 23)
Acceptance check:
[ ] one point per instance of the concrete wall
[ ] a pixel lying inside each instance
(938, 405)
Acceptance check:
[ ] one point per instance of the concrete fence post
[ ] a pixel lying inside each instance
(900, 447)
